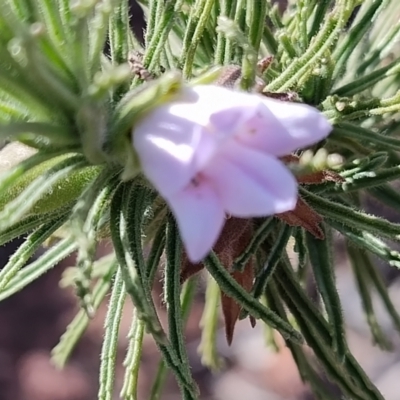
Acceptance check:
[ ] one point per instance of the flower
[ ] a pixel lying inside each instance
(214, 151)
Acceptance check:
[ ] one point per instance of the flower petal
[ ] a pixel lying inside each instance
(251, 183)
(280, 127)
(200, 217)
(166, 146)
(176, 140)
(213, 99)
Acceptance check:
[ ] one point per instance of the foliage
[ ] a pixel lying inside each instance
(61, 94)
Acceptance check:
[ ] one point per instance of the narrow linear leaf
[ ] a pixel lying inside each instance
(75, 330)
(364, 284)
(129, 272)
(110, 343)
(306, 371)
(249, 303)
(137, 199)
(352, 218)
(29, 224)
(42, 185)
(321, 260)
(363, 135)
(38, 267)
(378, 282)
(346, 373)
(257, 239)
(172, 300)
(132, 359)
(274, 255)
(386, 195)
(209, 325)
(371, 243)
(27, 250)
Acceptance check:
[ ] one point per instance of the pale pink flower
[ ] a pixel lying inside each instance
(214, 151)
